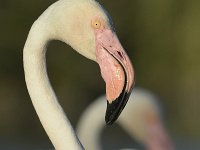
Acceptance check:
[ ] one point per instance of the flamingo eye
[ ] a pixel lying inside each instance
(96, 24)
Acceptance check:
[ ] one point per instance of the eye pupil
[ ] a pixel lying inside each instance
(96, 24)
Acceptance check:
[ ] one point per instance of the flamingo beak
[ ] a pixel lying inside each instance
(116, 70)
(157, 137)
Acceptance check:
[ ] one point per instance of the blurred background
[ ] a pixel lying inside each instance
(161, 38)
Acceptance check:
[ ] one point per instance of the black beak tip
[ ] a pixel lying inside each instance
(115, 108)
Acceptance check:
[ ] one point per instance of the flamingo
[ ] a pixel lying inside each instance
(88, 29)
(141, 119)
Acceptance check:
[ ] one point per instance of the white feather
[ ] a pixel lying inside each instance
(68, 21)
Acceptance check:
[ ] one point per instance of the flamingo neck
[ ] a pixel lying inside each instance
(50, 113)
(93, 121)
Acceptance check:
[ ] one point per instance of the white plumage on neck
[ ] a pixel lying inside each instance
(42, 95)
(56, 23)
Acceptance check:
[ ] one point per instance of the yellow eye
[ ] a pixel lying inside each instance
(96, 24)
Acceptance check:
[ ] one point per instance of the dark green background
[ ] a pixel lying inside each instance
(162, 38)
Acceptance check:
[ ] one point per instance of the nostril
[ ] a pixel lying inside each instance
(120, 54)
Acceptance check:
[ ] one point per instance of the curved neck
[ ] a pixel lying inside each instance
(42, 95)
(93, 120)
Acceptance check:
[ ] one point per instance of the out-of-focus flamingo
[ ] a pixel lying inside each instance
(141, 119)
(85, 26)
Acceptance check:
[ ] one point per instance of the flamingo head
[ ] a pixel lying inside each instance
(88, 30)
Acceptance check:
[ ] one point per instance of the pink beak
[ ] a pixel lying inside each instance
(116, 70)
(157, 138)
